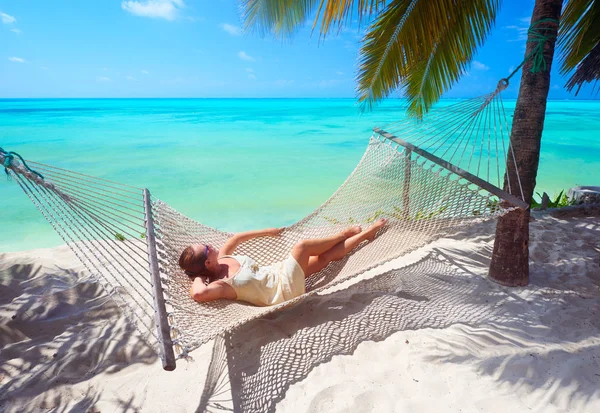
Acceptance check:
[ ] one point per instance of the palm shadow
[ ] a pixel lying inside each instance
(59, 329)
(266, 356)
(258, 362)
(554, 319)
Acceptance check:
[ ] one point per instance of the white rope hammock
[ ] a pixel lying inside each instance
(427, 177)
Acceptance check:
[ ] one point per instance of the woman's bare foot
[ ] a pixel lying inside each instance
(350, 232)
(376, 226)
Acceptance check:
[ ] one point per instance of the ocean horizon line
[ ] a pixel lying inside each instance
(7, 99)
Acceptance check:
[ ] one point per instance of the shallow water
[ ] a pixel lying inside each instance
(235, 164)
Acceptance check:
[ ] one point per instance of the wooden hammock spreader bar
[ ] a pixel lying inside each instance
(165, 342)
(455, 169)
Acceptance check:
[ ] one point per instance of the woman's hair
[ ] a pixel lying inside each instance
(193, 264)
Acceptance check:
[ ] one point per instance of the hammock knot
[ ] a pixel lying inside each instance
(502, 85)
(9, 157)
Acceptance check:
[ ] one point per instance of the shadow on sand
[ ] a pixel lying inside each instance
(58, 330)
(253, 367)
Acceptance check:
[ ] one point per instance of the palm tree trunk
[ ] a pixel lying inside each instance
(510, 258)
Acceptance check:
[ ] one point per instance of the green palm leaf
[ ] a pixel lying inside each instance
(280, 17)
(587, 71)
(579, 39)
(421, 47)
(283, 17)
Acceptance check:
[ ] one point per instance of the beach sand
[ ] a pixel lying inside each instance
(445, 338)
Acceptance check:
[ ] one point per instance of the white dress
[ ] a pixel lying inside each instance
(268, 285)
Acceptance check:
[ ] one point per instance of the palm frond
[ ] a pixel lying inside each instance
(587, 71)
(335, 13)
(421, 47)
(280, 17)
(283, 17)
(579, 40)
(383, 57)
(451, 54)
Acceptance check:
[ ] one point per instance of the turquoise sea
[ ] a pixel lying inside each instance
(235, 164)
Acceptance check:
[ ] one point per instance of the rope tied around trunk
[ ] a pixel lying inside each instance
(537, 54)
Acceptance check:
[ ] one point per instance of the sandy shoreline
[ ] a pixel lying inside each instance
(446, 339)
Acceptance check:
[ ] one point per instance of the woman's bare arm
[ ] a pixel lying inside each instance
(212, 291)
(233, 242)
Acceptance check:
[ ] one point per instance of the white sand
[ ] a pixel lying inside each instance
(446, 339)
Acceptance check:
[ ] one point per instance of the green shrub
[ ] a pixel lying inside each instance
(376, 215)
(559, 201)
(398, 213)
(493, 205)
(349, 221)
(424, 215)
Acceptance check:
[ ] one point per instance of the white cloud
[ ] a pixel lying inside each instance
(157, 9)
(520, 31)
(231, 29)
(103, 79)
(17, 31)
(339, 73)
(16, 59)
(510, 69)
(130, 78)
(7, 18)
(479, 66)
(249, 70)
(251, 76)
(145, 72)
(244, 56)
(525, 20)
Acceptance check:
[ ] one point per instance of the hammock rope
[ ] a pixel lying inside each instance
(471, 135)
(429, 178)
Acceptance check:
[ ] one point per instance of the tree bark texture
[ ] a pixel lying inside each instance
(510, 258)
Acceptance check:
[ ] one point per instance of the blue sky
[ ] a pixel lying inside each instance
(196, 48)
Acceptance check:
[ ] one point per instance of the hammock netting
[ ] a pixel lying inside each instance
(429, 178)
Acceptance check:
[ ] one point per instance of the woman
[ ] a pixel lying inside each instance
(217, 274)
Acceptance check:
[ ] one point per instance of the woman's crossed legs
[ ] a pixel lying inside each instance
(315, 254)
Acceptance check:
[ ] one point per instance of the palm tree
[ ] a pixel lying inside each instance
(423, 47)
